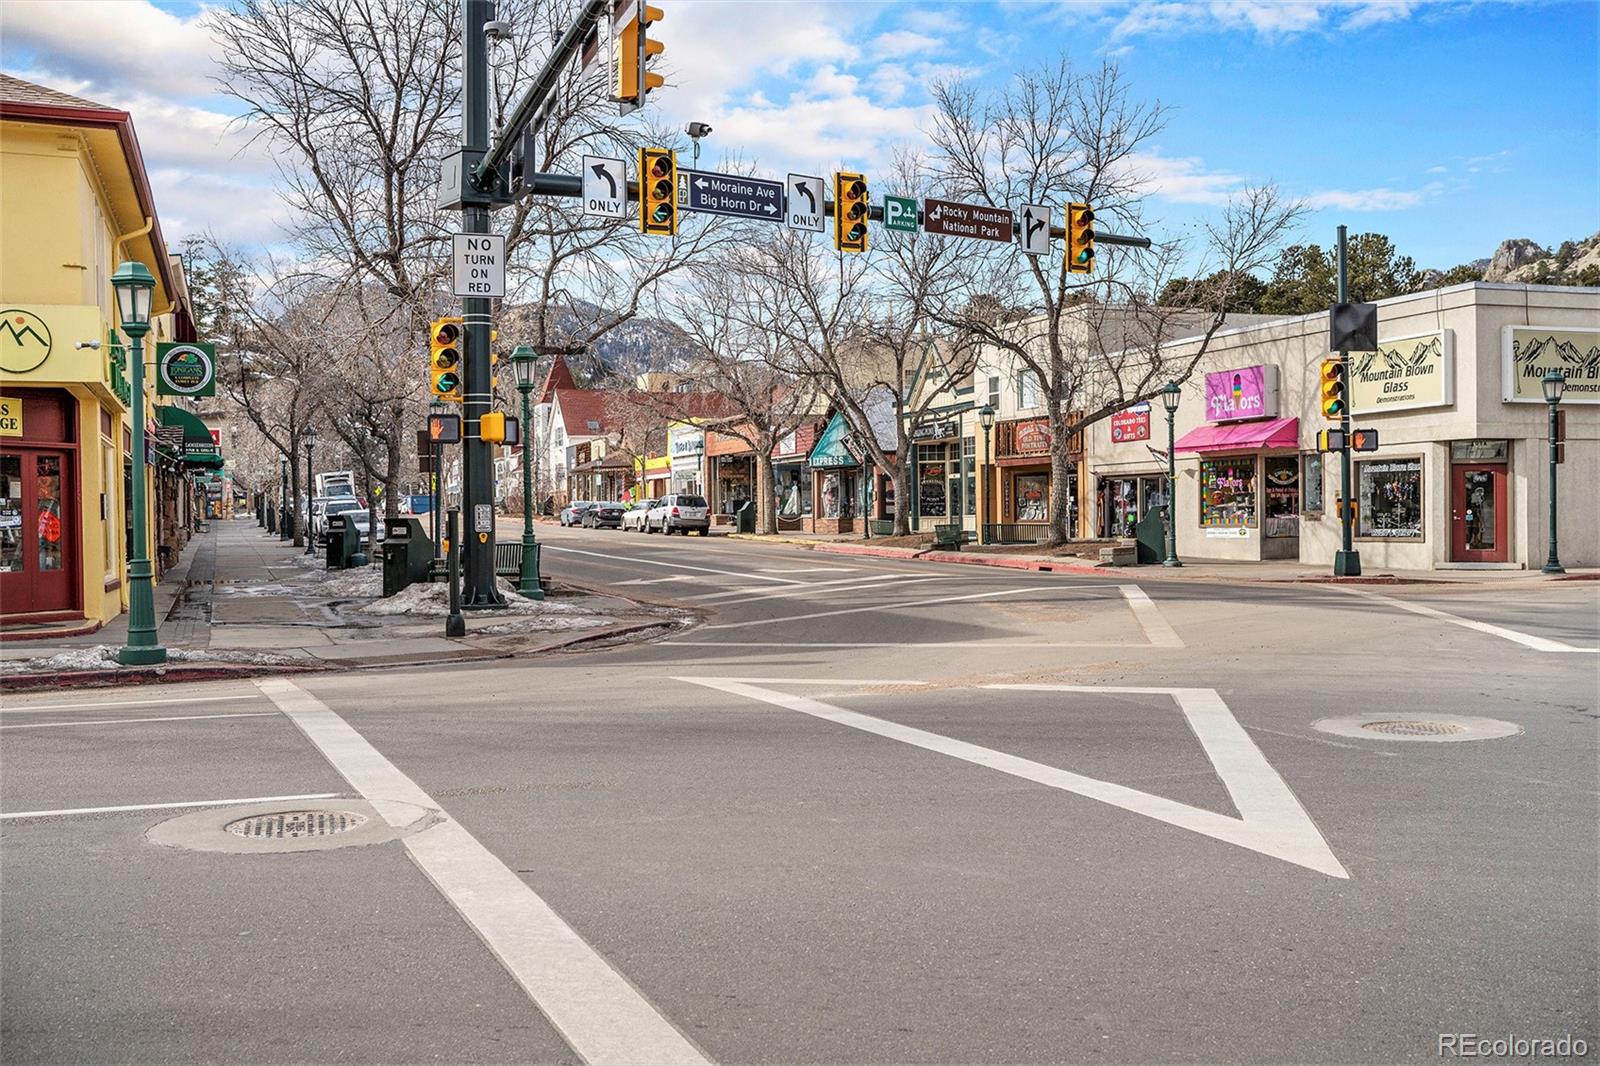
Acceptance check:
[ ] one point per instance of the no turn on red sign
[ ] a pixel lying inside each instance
(951, 219)
(480, 262)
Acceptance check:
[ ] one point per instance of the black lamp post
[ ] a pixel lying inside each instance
(1554, 384)
(524, 362)
(134, 285)
(311, 442)
(283, 498)
(1170, 395)
(986, 420)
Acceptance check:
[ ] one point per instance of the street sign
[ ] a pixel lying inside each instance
(900, 213)
(1036, 229)
(804, 207)
(729, 194)
(605, 187)
(967, 220)
(480, 262)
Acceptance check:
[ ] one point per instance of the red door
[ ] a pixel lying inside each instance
(1478, 513)
(37, 567)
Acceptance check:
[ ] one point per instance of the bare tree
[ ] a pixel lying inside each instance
(1057, 136)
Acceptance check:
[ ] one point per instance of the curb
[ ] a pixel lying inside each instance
(147, 674)
(53, 634)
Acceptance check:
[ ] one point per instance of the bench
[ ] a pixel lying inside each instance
(947, 536)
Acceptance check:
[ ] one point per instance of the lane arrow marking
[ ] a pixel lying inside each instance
(804, 189)
(600, 171)
(1034, 225)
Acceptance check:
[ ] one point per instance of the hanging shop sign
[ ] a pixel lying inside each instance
(1131, 425)
(1404, 373)
(186, 369)
(1528, 352)
(687, 444)
(1239, 395)
(935, 430)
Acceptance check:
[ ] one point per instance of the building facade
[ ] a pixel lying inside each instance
(1460, 474)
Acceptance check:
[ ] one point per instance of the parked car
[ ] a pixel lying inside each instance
(572, 513)
(606, 514)
(637, 511)
(323, 507)
(679, 513)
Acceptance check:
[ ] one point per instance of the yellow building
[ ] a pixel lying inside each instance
(74, 202)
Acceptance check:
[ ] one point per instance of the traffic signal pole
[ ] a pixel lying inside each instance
(1347, 561)
(477, 459)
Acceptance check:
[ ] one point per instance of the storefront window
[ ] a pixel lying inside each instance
(10, 514)
(794, 492)
(1389, 499)
(934, 478)
(1311, 483)
(1282, 473)
(1030, 494)
(969, 455)
(1228, 492)
(47, 482)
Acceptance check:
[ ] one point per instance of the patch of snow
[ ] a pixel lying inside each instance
(104, 657)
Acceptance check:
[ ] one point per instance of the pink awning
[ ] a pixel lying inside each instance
(1242, 436)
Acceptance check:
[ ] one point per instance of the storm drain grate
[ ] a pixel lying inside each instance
(1416, 728)
(292, 825)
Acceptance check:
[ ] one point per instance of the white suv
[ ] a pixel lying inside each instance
(678, 513)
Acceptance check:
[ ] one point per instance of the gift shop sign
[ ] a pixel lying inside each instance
(1131, 425)
(1243, 394)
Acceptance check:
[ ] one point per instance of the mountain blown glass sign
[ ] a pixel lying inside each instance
(1404, 373)
(1527, 352)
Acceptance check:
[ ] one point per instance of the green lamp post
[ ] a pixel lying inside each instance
(1170, 395)
(524, 363)
(135, 286)
(1554, 384)
(986, 420)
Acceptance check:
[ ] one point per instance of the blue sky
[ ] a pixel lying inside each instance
(1448, 125)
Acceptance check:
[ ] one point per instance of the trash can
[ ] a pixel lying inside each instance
(1151, 534)
(344, 539)
(407, 554)
(744, 519)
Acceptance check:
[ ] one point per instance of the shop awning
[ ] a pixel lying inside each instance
(1242, 436)
(198, 449)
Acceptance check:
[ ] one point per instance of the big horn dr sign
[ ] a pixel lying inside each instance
(186, 369)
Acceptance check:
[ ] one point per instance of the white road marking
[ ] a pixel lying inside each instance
(1272, 820)
(122, 703)
(167, 806)
(614, 558)
(594, 1008)
(973, 644)
(1145, 612)
(818, 587)
(1527, 640)
(130, 721)
(873, 607)
(659, 580)
(807, 569)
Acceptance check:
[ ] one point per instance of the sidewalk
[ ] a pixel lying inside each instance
(1030, 557)
(242, 602)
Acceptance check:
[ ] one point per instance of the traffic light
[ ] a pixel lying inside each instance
(628, 69)
(444, 357)
(1333, 390)
(1080, 239)
(658, 191)
(850, 212)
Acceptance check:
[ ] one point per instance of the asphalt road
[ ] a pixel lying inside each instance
(867, 811)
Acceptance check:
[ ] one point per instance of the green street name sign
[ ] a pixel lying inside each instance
(186, 370)
(900, 212)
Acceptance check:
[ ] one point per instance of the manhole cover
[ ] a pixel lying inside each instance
(294, 825)
(1413, 729)
(1447, 728)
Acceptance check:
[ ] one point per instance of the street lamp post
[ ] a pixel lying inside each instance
(134, 285)
(986, 420)
(283, 498)
(1554, 384)
(524, 362)
(1170, 395)
(311, 442)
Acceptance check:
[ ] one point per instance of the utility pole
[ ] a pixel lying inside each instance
(1347, 562)
(477, 458)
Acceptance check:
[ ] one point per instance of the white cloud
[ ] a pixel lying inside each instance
(1378, 199)
(932, 20)
(897, 44)
(1185, 179)
(125, 46)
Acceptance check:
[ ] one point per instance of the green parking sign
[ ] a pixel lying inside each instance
(900, 212)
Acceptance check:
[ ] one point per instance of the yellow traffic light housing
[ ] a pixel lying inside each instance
(850, 212)
(492, 427)
(658, 191)
(1080, 239)
(628, 69)
(1332, 390)
(444, 358)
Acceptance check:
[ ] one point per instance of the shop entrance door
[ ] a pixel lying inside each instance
(36, 534)
(1478, 513)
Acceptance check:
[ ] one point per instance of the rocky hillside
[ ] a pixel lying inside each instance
(1519, 259)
